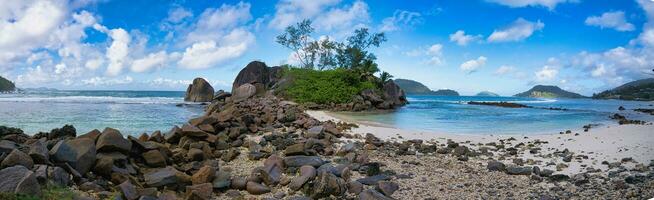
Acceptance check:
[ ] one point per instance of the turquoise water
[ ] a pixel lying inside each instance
(135, 112)
(451, 114)
(132, 112)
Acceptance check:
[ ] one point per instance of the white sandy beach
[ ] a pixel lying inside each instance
(605, 143)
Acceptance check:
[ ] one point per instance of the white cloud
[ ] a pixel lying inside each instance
(216, 23)
(519, 30)
(208, 54)
(104, 81)
(117, 52)
(289, 12)
(400, 18)
(178, 14)
(546, 73)
(153, 60)
(504, 69)
(462, 39)
(550, 4)
(472, 65)
(614, 20)
(343, 19)
(599, 71)
(25, 26)
(171, 83)
(436, 54)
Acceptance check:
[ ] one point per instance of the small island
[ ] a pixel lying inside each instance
(412, 87)
(548, 91)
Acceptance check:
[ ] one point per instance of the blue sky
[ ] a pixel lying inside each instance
(504, 46)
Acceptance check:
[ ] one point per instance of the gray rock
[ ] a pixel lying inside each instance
(59, 176)
(17, 157)
(7, 146)
(193, 131)
(387, 187)
(112, 140)
(372, 195)
(200, 191)
(354, 187)
(199, 91)
(546, 172)
(222, 180)
(298, 161)
(39, 152)
(516, 170)
(494, 165)
(154, 158)
(256, 188)
(306, 173)
(373, 180)
(161, 177)
(128, 190)
(79, 153)
(271, 172)
(243, 92)
(254, 72)
(559, 177)
(19, 179)
(327, 184)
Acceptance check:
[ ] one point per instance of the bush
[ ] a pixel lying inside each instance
(322, 87)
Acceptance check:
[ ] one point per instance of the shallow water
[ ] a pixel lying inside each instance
(451, 114)
(132, 112)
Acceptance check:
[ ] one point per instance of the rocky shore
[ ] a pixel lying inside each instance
(267, 148)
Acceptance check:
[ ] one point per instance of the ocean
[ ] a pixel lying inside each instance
(451, 114)
(135, 112)
(131, 112)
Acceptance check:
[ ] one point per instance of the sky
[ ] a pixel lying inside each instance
(503, 46)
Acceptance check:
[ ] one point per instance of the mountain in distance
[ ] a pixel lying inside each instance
(412, 87)
(487, 94)
(445, 92)
(6, 85)
(548, 91)
(640, 90)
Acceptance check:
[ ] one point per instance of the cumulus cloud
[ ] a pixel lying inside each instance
(171, 83)
(436, 54)
(202, 55)
(105, 81)
(289, 12)
(614, 20)
(471, 66)
(462, 39)
(147, 63)
(550, 4)
(400, 18)
(546, 73)
(327, 15)
(519, 30)
(117, 51)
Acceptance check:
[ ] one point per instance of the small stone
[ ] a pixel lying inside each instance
(239, 183)
(128, 190)
(515, 170)
(494, 165)
(204, 175)
(199, 192)
(222, 180)
(154, 158)
(161, 177)
(387, 187)
(372, 195)
(354, 187)
(298, 161)
(307, 173)
(195, 154)
(256, 188)
(373, 180)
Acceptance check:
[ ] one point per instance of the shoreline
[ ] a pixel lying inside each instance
(610, 143)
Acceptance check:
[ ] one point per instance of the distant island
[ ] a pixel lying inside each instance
(641, 90)
(412, 87)
(487, 94)
(548, 91)
(6, 85)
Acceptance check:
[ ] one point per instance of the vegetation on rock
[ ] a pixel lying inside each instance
(548, 91)
(6, 85)
(412, 87)
(330, 71)
(642, 90)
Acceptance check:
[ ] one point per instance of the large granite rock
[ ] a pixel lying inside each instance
(18, 179)
(393, 94)
(199, 91)
(254, 72)
(17, 157)
(243, 92)
(112, 140)
(79, 153)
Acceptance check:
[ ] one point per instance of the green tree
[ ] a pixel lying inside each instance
(354, 55)
(298, 39)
